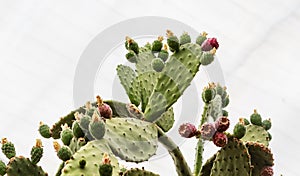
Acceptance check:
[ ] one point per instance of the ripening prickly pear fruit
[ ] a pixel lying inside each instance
(208, 94)
(105, 169)
(131, 56)
(8, 148)
(184, 38)
(36, 152)
(82, 163)
(44, 130)
(2, 168)
(66, 134)
(172, 41)
(222, 124)
(209, 44)
(208, 57)
(239, 130)
(187, 130)
(267, 171)
(64, 153)
(97, 127)
(255, 118)
(76, 129)
(220, 139)
(157, 44)
(157, 64)
(207, 131)
(201, 38)
(130, 44)
(104, 109)
(267, 124)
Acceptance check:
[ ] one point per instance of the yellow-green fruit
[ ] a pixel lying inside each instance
(239, 131)
(255, 119)
(64, 153)
(44, 130)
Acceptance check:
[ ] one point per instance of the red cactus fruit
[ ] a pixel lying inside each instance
(222, 124)
(209, 44)
(187, 130)
(207, 131)
(267, 171)
(104, 109)
(220, 139)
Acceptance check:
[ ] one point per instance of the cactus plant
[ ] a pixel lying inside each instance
(100, 133)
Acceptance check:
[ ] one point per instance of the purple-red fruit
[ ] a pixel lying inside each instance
(104, 109)
(220, 139)
(207, 131)
(209, 44)
(222, 124)
(267, 171)
(187, 130)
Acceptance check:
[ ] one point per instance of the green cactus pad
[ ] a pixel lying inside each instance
(166, 121)
(144, 62)
(232, 160)
(131, 139)
(261, 156)
(206, 168)
(127, 76)
(147, 81)
(256, 133)
(215, 107)
(134, 91)
(93, 153)
(173, 80)
(59, 170)
(139, 172)
(22, 166)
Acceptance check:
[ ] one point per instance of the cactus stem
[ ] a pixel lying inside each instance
(181, 165)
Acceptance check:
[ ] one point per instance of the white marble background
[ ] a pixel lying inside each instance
(41, 42)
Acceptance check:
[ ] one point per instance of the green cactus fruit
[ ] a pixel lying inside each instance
(8, 148)
(225, 101)
(245, 121)
(93, 153)
(90, 109)
(164, 54)
(44, 130)
(97, 127)
(36, 152)
(219, 89)
(184, 38)
(201, 38)
(105, 168)
(148, 46)
(2, 168)
(18, 166)
(239, 130)
(131, 139)
(225, 113)
(255, 118)
(172, 41)
(232, 160)
(66, 134)
(82, 163)
(139, 172)
(157, 44)
(76, 129)
(131, 56)
(158, 64)
(208, 57)
(269, 136)
(267, 124)
(132, 45)
(208, 94)
(64, 153)
(257, 134)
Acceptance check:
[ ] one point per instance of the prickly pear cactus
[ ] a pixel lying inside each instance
(139, 172)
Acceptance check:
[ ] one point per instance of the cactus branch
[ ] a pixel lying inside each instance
(182, 168)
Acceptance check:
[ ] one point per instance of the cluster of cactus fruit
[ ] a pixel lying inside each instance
(93, 138)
